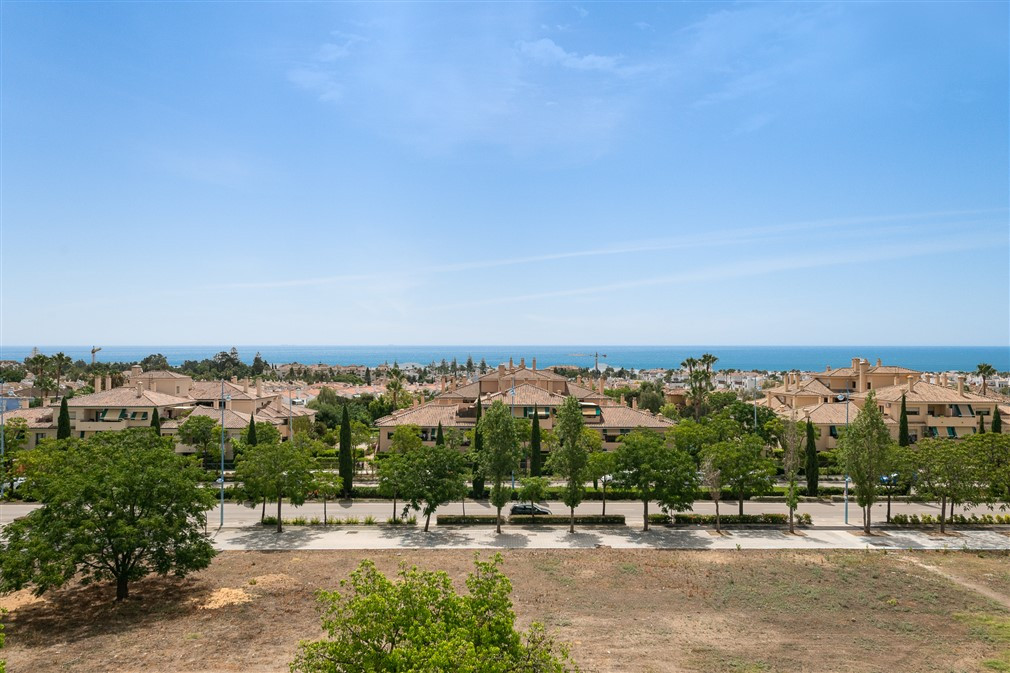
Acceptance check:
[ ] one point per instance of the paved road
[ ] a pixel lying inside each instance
(619, 537)
(823, 514)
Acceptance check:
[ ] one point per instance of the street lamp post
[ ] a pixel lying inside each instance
(847, 478)
(224, 399)
(3, 452)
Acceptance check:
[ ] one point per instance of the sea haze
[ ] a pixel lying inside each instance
(776, 358)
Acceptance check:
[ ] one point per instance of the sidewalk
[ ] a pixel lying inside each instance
(619, 537)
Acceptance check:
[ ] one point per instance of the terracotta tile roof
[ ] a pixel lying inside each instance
(127, 397)
(158, 374)
(427, 415)
(211, 390)
(585, 394)
(524, 373)
(825, 414)
(924, 392)
(528, 395)
(37, 418)
(805, 387)
(621, 416)
(233, 420)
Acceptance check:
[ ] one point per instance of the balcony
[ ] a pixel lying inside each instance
(101, 426)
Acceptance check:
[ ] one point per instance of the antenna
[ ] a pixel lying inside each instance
(94, 349)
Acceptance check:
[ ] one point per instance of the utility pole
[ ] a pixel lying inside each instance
(224, 398)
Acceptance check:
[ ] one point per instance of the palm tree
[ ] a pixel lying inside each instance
(985, 370)
(395, 386)
(61, 362)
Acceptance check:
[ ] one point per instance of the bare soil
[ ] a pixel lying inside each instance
(621, 610)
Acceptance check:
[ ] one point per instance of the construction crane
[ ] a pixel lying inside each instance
(94, 349)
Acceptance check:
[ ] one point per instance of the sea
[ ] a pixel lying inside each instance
(769, 358)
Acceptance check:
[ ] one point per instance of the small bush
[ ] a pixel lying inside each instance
(369, 520)
(736, 519)
(315, 521)
(351, 520)
(469, 520)
(269, 521)
(560, 519)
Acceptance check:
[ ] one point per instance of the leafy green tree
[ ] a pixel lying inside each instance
(570, 460)
(440, 435)
(392, 472)
(711, 478)
(328, 485)
(985, 371)
(63, 423)
(899, 475)
(533, 490)
(346, 454)
(864, 453)
(812, 468)
(948, 471)
(420, 623)
(118, 505)
(61, 363)
(903, 439)
(992, 451)
(743, 466)
(601, 468)
(277, 471)
(536, 454)
(15, 436)
(433, 476)
(792, 437)
(368, 376)
(200, 432)
(665, 474)
(500, 454)
(981, 424)
(156, 421)
(670, 411)
(476, 455)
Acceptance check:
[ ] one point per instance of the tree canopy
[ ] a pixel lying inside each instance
(666, 474)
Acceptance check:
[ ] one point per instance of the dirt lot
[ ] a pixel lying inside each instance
(622, 610)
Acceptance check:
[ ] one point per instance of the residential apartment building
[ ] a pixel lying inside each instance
(526, 391)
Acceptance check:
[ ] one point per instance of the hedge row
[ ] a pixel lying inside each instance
(469, 520)
(580, 519)
(800, 518)
(928, 519)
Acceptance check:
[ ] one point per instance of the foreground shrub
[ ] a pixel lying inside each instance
(419, 623)
(557, 520)
(469, 520)
(929, 519)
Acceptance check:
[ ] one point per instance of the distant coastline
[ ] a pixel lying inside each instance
(773, 358)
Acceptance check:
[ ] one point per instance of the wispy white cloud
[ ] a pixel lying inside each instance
(547, 51)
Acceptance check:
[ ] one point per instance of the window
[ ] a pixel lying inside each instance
(933, 432)
(833, 431)
(951, 432)
(39, 436)
(912, 411)
(73, 415)
(913, 437)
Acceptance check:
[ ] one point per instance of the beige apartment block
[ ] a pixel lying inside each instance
(527, 391)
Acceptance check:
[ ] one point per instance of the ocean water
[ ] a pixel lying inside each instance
(775, 358)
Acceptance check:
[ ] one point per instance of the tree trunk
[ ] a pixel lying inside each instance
(263, 512)
(645, 513)
(324, 512)
(792, 529)
(740, 501)
(943, 508)
(122, 588)
(866, 519)
(497, 522)
(464, 506)
(394, 507)
(604, 500)
(427, 519)
(279, 526)
(888, 506)
(718, 528)
(571, 521)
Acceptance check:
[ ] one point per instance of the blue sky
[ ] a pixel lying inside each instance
(658, 173)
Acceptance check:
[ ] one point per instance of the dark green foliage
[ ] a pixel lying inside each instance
(156, 421)
(997, 422)
(731, 519)
(903, 425)
(981, 424)
(368, 376)
(477, 452)
(468, 520)
(439, 435)
(562, 520)
(812, 467)
(536, 457)
(346, 454)
(63, 424)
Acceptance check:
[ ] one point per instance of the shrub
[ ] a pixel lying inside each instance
(561, 520)
(659, 518)
(315, 521)
(351, 520)
(736, 519)
(369, 520)
(469, 520)
(269, 521)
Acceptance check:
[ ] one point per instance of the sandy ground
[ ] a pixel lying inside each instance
(620, 609)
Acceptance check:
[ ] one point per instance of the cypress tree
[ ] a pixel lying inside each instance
(156, 421)
(812, 468)
(346, 456)
(478, 451)
(903, 425)
(997, 422)
(535, 457)
(981, 424)
(368, 376)
(63, 425)
(251, 433)
(439, 437)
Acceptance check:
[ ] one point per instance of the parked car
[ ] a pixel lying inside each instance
(529, 508)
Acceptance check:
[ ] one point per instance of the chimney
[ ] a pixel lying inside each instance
(245, 385)
(108, 382)
(622, 399)
(443, 384)
(788, 380)
(634, 402)
(234, 379)
(511, 366)
(896, 379)
(960, 386)
(855, 365)
(578, 379)
(943, 379)
(413, 404)
(911, 383)
(136, 370)
(878, 362)
(603, 383)
(864, 367)
(534, 364)
(501, 370)
(140, 388)
(98, 383)
(522, 363)
(259, 387)
(827, 368)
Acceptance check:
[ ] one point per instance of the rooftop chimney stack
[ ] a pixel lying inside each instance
(634, 402)
(522, 363)
(98, 383)
(911, 383)
(140, 388)
(827, 368)
(878, 362)
(511, 366)
(855, 365)
(259, 387)
(622, 400)
(136, 370)
(960, 386)
(864, 368)
(245, 385)
(896, 380)
(443, 384)
(234, 379)
(603, 382)
(534, 364)
(108, 382)
(943, 379)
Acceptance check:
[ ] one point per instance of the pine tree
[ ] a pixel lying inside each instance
(535, 458)
(346, 454)
(63, 425)
(156, 421)
(439, 437)
(812, 467)
(251, 433)
(903, 425)
(997, 422)
(478, 450)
